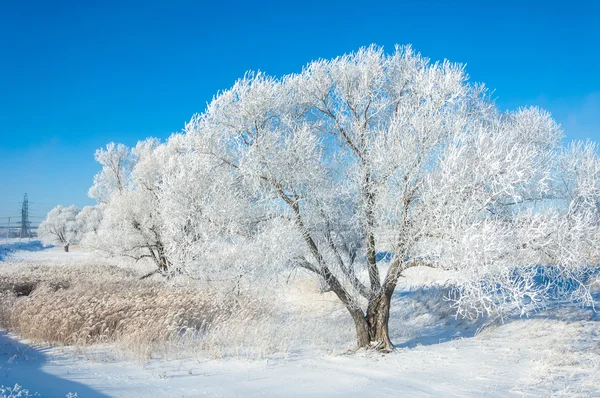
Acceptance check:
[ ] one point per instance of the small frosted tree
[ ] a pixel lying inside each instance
(370, 153)
(60, 227)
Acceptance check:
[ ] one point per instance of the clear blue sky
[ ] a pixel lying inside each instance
(75, 75)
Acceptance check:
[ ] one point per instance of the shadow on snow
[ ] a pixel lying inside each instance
(22, 364)
(424, 316)
(8, 248)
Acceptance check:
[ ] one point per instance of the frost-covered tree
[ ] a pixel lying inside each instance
(88, 221)
(369, 153)
(117, 162)
(60, 227)
(127, 189)
(212, 226)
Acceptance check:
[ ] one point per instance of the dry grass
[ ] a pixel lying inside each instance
(67, 306)
(82, 306)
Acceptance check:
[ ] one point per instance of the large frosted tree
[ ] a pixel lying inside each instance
(373, 152)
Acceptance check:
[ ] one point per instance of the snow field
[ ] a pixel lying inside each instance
(291, 342)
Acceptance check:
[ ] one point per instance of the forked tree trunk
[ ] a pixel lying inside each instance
(66, 247)
(159, 257)
(163, 262)
(372, 329)
(378, 317)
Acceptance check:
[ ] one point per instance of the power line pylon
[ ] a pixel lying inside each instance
(25, 225)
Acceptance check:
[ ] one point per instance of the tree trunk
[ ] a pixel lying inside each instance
(378, 317)
(67, 248)
(159, 257)
(163, 263)
(363, 338)
(378, 310)
(372, 328)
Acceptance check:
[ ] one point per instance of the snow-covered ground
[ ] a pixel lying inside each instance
(12, 246)
(34, 252)
(551, 354)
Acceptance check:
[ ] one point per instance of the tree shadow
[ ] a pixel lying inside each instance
(22, 364)
(425, 315)
(443, 326)
(8, 248)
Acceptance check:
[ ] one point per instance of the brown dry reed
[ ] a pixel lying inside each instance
(81, 306)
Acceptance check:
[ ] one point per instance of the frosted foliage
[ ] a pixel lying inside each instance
(372, 152)
(581, 177)
(88, 220)
(131, 222)
(124, 224)
(116, 161)
(60, 227)
(367, 154)
(215, 226)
